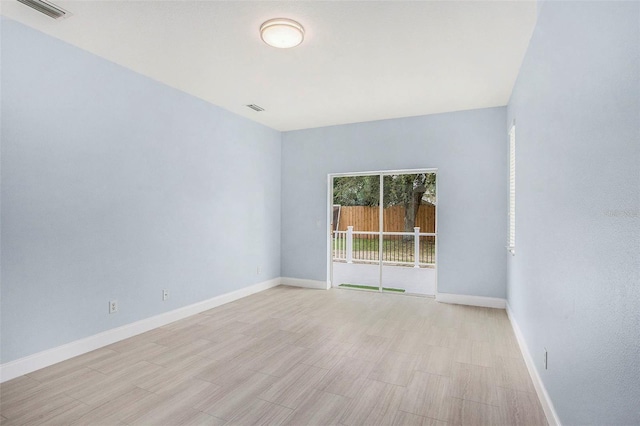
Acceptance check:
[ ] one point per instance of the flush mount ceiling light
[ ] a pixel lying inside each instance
(282, 33)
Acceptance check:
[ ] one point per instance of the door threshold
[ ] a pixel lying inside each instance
(372, 288)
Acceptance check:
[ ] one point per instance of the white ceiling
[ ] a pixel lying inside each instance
(360, 61)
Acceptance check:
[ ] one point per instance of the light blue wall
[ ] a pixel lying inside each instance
(574, 283)
(469, 150)
(114, 187)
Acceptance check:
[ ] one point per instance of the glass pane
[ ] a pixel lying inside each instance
(356, 226)
(409, 211)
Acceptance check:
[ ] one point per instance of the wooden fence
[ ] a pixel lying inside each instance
(364, 218)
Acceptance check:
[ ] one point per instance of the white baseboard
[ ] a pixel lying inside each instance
(52, 356)
(463, 299)
(543, 396)
(300, 282)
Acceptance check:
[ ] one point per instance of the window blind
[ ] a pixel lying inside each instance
(512, 189)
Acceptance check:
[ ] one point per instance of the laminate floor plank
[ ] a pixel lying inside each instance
(177, 408)
(347, 377)
(370, 348)
(442, 336)
(394, 368)
(18, 387)
(63, 415)
(384, 328)
(327, 354)
(474, 330)
(19, 404)
(186, 322)
(481, 354)
(313, 337)
(436, 360)
(263, 413)
(320, 408)
(294, 387)
(473, 383)
(17, 400)
(411, 342)
(229, 373)
(229, 348)
(427, 395)
(512, 373)
(118, 409)
(470, 413)
(104, 390)
(134, 342)
(168, 379)
(506, 348)
(40, 409)
(464, 351)
(403, 418)
(198, 418)
(278, 362)
(77, 381)
(377, 404)
(131, 356)
(63, 368)
(415, 323)
(273, 340)
(187, 335)
(294, 356)
(349, 332)
(295, 322)
(227, 403)
(520, 408)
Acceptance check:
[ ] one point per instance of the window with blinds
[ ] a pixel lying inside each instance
(512, 190)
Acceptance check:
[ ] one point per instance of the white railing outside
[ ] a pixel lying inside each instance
(400, 251)
(340, 245)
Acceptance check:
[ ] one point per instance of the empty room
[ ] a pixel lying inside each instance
(319, 213)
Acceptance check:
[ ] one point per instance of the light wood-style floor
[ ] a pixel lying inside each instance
(299, 357)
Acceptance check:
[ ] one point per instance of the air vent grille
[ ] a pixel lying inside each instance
(47, 8)
(255, 107)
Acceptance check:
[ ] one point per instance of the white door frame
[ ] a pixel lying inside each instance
(381, 173)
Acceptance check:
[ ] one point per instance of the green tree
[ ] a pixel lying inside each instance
(407, 190)
(356, 190)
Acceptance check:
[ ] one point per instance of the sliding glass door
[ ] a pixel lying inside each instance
(408, 237)
(356, 232)
(384, 232)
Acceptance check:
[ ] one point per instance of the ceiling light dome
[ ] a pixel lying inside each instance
(282, 33)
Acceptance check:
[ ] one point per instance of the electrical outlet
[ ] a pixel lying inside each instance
(165, 294)
(545, 359)
(113, 306)
(257, 270)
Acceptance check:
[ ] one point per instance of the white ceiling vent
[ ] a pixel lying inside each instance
(255, 107)
(49, 9)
